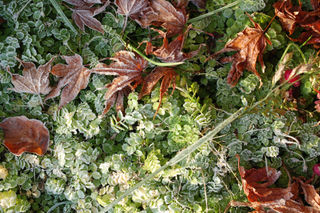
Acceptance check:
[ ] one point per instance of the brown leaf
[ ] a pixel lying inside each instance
(310, 194)
(74, 77)
(25, 135)
(249, 45)
(83, 13)
(129, 67)
(315, 4)
(171, 52)
(32, 80)
(168, 76)
(199, 3)
(170, 18)
(138, 10)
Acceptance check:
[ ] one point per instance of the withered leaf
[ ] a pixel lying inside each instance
(199, 3)
(250, 45)
(138, 10)
(310, 194)
(171, 52)
(34, 81)
(74, 77)
(83, 14)
(25, 135)
(168, 76)
(171, 18)
(129, 67)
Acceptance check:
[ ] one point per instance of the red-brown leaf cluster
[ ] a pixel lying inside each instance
(25, 135)
(292, 16)
(263, 198)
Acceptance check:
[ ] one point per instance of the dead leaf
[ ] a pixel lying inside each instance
(171, 52)
(315, 4)
(129, 67)
(199, 3)
(310, 194)
(73, 77)
(138, 10)
(83, 13)
(168, 76)
(25, 135)
(170, 18)
(250, 45)
(32, 80)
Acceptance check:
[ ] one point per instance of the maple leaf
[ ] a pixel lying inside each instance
(168, 76)
(170, 18)
(74, 77)
(129, 67)
(83, 13)
(25, 135)
(138, 10)
(310, 194)
(32, 80)
(199, 3)
(171, 52)
(250, 45)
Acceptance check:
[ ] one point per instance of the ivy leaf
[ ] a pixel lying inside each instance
(129, 67)
(34, 81)
(171, 18)
(171, 52)
(25, 135)
(83, 14)
(74, 77)
(168, 76)
(250, 44)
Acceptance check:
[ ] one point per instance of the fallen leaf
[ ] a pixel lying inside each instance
(282, 68)
(138, 10)
(129, 67)
(199, 3)
(310, 194)
(171, 18)
(33, 80)
(83, 14)
(171, 52)
(168, 76)
(25, 135)
(73, 77)
(250, 45)
(315, 4)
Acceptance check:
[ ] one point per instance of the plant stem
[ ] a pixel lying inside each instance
(213, 12)
(63, 16)
(57, 204)
(287, 49)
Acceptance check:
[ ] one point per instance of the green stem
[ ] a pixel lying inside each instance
(287, 49)
(213, 12)
(58, 204)
(63, 16)
(159, 64)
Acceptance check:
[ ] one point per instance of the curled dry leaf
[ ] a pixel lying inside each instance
(33, 80)
(73, 77)
(310, 194)
(199, 3)
(83, 13)
(168, 76)
(169, 17)
(129, 67)
(138, 10)
(281, 68)
(171, 52)
(249, 45)
(25, 135)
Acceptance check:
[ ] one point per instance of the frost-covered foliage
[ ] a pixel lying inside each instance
(92, 160)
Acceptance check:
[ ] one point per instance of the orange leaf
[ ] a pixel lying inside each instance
(25, 135)
(249, 45)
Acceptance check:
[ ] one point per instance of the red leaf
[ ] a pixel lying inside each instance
(168, 76)
(171, 52)
(74, 77)
(83, 14)
(25, 135)
(34, 81)
(129, 67)
(250, 45)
